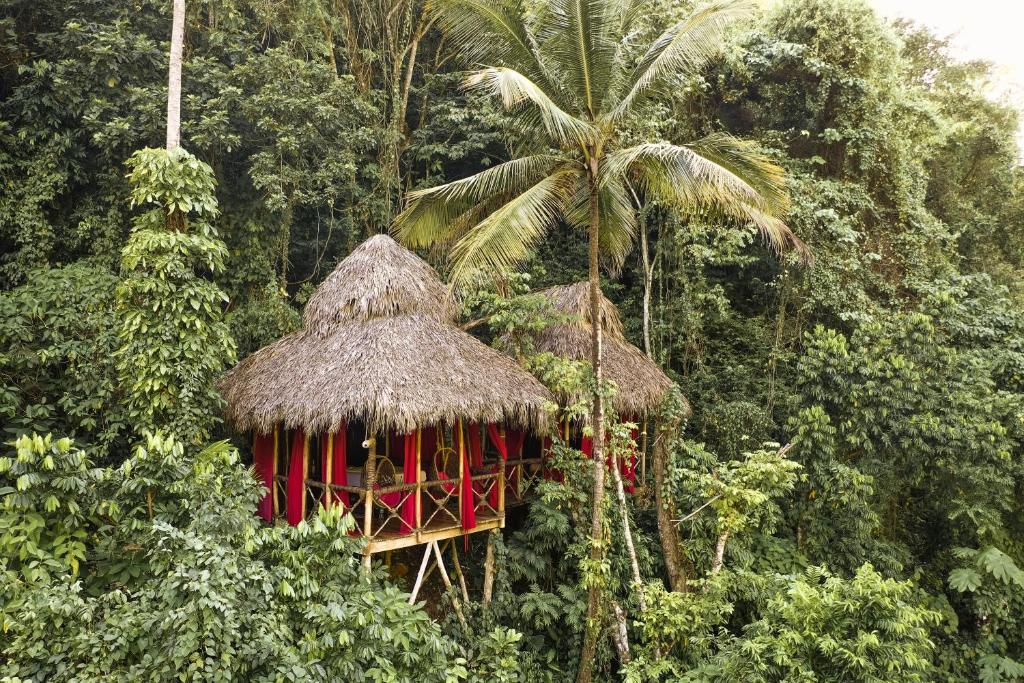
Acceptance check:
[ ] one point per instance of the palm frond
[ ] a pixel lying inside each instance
(685, 47)
(495, 32)
(434, 214)
(580, 36)
(506, 237)
(514, 89)
(684, 178)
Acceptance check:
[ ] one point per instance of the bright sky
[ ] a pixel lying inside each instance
(982, 29)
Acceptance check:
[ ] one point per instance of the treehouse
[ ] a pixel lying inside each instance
(641, 386)
(380, 403)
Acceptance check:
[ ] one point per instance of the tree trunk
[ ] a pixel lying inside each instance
(174, 76)
(648, 282)
(668, 533)
(716, 566)
(593, 625)
(627, 533)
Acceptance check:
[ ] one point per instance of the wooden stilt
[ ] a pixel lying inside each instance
(458, 570)
(419, 575)
(489, 568)
(387, 559)
(448, 583)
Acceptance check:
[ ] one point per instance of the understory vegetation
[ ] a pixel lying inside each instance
(844, 462)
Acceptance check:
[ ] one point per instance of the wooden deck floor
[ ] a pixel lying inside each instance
(438, 530)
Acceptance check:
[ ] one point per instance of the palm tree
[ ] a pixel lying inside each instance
(568, 69)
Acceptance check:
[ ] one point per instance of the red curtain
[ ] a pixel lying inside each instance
(587, 446)
(263, 462)
(339, 465)
(296, 478)
(466, 498)
(410, 475)
(499, 443)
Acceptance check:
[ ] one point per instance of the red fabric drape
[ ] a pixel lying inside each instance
(263, 462)
(466, 498)
(499, 443)
(410, 475)
(339, 465)
(296, 478)
(587, 446)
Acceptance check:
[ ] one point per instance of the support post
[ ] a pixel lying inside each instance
(462, 457)
(448, 583)
(643, 453)
(419, 575)
(458, 570)
(328, 470)
(371, 479)
(419, 480)
(305, 470)
(275, 505)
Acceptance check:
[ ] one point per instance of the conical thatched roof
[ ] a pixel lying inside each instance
(641, 383)
(378, 346)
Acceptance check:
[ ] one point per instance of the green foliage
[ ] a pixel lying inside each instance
(57, 372)
(160, 569)
(173, 338)
(822, 627)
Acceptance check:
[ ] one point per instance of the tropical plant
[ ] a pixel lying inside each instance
(570, 69)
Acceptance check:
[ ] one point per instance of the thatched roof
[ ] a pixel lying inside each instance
(380, 278)
(641, 383)
(379, 347)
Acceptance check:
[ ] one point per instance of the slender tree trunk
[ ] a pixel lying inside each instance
(668, 533)
(174, 76)
(716, 566)
(593, 626)
(627, 533)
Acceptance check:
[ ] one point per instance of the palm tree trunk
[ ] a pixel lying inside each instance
(174, 76)
(593, 626)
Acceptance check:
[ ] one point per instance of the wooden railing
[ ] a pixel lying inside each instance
(378, 511)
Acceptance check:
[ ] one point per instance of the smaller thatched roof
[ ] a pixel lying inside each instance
(380, 278)
(642, 385)
(379, 347)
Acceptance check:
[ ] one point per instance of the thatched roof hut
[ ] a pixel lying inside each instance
(641, 384)
(378, 346)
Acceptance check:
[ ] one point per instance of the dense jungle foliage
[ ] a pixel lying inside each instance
(884, 542)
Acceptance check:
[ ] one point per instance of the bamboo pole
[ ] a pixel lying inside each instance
(458, 571)
(462, 465)
(419, 480)
(275, 505)
(329, 470)
(448, 581)
(419, 575)
(305, 470)
(371, 479)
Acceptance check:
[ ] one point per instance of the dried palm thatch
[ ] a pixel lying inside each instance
(640, 382)
(380, 278)
(379, 347)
